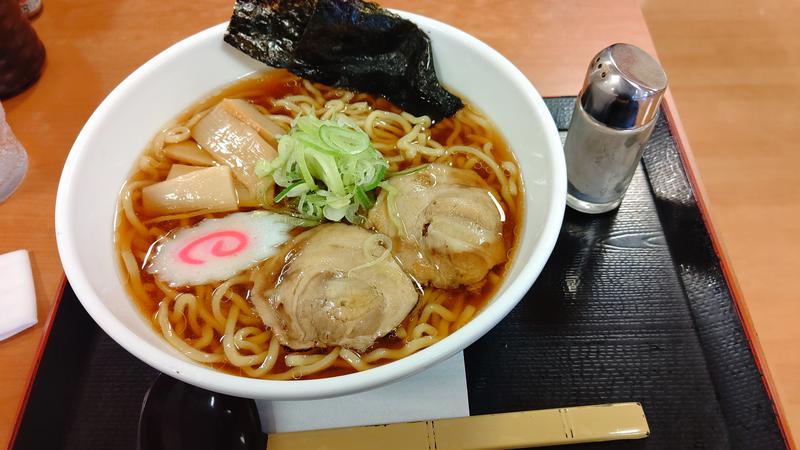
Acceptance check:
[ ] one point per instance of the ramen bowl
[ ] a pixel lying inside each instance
(113, 138)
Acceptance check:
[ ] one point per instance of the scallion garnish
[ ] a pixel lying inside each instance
(328, 167)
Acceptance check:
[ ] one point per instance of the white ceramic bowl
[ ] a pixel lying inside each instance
(104, 154)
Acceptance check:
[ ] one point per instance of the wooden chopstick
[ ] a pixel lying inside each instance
(523, 429)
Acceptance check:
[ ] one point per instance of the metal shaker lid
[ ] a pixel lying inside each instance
(623, 87)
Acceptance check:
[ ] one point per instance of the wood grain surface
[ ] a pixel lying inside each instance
(93, 46)
(734, 68)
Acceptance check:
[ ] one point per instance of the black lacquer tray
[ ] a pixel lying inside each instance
(633, 305)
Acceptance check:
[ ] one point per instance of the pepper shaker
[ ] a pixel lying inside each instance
(614, 116)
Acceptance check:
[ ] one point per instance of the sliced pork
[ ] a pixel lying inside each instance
(446, 225)
(333, 285)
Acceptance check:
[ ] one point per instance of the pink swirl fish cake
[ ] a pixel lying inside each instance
(218, 249)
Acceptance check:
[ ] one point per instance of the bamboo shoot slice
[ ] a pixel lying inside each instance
(208, 189)
(178, 170)
(233, 143)
(244, 196)
(189, 152)
(247, 113)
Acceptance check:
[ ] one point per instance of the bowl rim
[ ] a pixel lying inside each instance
(218, 381)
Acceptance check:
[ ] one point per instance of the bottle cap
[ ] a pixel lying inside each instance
(623, 87)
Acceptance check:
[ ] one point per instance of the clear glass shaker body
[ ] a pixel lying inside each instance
(13, 159)
(614, 115)
(600, 161)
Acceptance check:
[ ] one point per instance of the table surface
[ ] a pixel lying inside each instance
(91, 48)
(734, 109)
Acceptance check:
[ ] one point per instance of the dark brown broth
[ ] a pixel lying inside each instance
(277, 84)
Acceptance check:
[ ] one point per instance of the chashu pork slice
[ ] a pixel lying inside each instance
(332, 285)
(447, 227)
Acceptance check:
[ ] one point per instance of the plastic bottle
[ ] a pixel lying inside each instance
(21, 52)
(13, 159)
(31, 8)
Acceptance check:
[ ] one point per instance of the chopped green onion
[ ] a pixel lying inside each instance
(391, 207)
(326, 168)
(376, 180)
(345, 140)
(363, 199)
(286, 190)
(408, 171)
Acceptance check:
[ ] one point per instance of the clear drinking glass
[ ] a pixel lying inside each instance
(13, 159)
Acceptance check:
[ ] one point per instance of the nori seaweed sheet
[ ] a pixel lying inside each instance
(351, 44)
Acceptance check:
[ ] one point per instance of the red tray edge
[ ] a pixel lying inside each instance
(37, 360)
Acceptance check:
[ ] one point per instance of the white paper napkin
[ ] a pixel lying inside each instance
(437, 393)
(17, 294)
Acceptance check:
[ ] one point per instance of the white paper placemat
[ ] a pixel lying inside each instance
(17, 293)
(439, 392)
